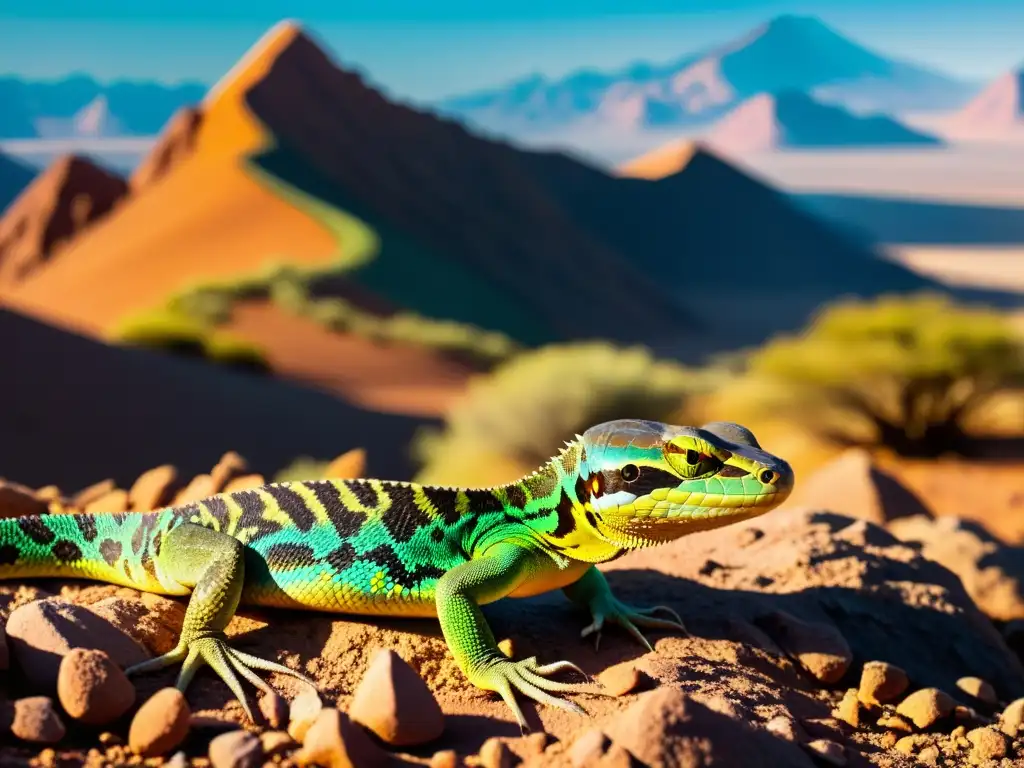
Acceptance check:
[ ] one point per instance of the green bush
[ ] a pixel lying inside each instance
(526, 408)
(906, 373)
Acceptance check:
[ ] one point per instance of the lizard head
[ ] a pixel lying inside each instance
(648, 482)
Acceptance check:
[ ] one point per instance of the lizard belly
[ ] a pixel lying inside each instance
(548, 577)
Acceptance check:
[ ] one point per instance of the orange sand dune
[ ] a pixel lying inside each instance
(207, 218)
(388, 378)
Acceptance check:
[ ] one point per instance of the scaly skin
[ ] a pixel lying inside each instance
(401, 549)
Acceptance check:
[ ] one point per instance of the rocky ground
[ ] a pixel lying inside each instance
(815, 639)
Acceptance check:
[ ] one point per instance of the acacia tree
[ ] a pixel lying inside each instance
(905, 372)
(526, 408)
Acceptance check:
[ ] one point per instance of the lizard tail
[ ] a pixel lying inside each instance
(110, 547)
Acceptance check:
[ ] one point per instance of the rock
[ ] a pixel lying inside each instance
(978, 688)
(852, 484)
(849, 709)
(880, 683)
(178, 760)
(275, 742)
(230, 466)
(987, 743)
(95, 491)
(236, 749)
(154, 488)
(1012, 719)
(827, 751)
(786, 728)
(929, 755)
(334, 741)
(349, 465)
(819, 648)
(35, 719)
(274, 709)
(161, 724)
(494, 753)
(446, 758)
(507, 646)
(926, 707)
(115, 501)
(620, 679)
(42, 632)
(535, 743)
(665, 727)
(18, 501)
(895, 722)
(244, 483)
(912, 744)
(93, 689)
(302, 713)
(991, 570)
(47, 493)
(157, 628)
(199, 488)
(589, 748)
(393, 702)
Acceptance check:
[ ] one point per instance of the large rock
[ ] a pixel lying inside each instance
(42, 632)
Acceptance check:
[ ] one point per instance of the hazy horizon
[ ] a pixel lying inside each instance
(456, 47)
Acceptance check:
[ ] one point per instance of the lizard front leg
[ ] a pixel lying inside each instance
(592, 592)
(212, 564)
(458, 595)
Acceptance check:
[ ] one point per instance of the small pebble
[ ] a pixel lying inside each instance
(620, 679)
(978, 688)
(178, 760)
(275, 742)
(393, 702)
(987, 743)
(849, 708)
(36, 720)
(274, 709)
(588, 748)
(494, 753)
(92, 688)
(895, 722)
(914, 743)
(889, 740)
(881, 682)
(161, 724)
(335, 741)
(785, 728)
(827, 751)
(1012, 719)
(929, 755)
(303, 712)
(926, 707)
(535, 743)
(820, 648)
(236, 749)
(446, 758)
(507, 647)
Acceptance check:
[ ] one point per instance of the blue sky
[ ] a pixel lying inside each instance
(425, 49)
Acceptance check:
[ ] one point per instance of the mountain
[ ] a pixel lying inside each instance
(59, 204)
(80, 106)
(795, 120)
(290, 158)
(83, 410)
(14, 177)
(996, 113)
(788, 53)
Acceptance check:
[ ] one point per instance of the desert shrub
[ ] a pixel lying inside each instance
(527, 407)
(302, 468)
(906, 373)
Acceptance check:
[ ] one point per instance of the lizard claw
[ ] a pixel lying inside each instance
(529, 677)
(228, 663)
(629, 618)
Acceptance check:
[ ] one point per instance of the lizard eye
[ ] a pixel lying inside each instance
(692, 457)
(630, 473)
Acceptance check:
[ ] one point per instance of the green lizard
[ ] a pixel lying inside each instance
(402, 549)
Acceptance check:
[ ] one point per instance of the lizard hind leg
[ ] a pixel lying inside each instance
(213, 565)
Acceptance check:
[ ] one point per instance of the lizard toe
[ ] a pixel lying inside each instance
(528, 677)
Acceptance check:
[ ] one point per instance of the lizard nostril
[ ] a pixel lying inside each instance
(766, 476)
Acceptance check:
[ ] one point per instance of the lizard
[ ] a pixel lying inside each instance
(398, 548)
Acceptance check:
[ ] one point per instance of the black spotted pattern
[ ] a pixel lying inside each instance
(566, 511)
(483, 501)
(110, 550)
(253, 506)
(386, 557)
(403, 518)
(218, 509)
(66, 551)
(516, 496)
(294, 506)
(437, 535)
(148, 565)
(342, 557)
(445, 501)
(36, 529)
(146, 525)
(87, 525)
(364, 492)
(9, 554)
(285, 557)
(347, 522)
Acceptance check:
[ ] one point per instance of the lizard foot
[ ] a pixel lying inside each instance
(629, 618)
(213, 649)
(529, 677)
